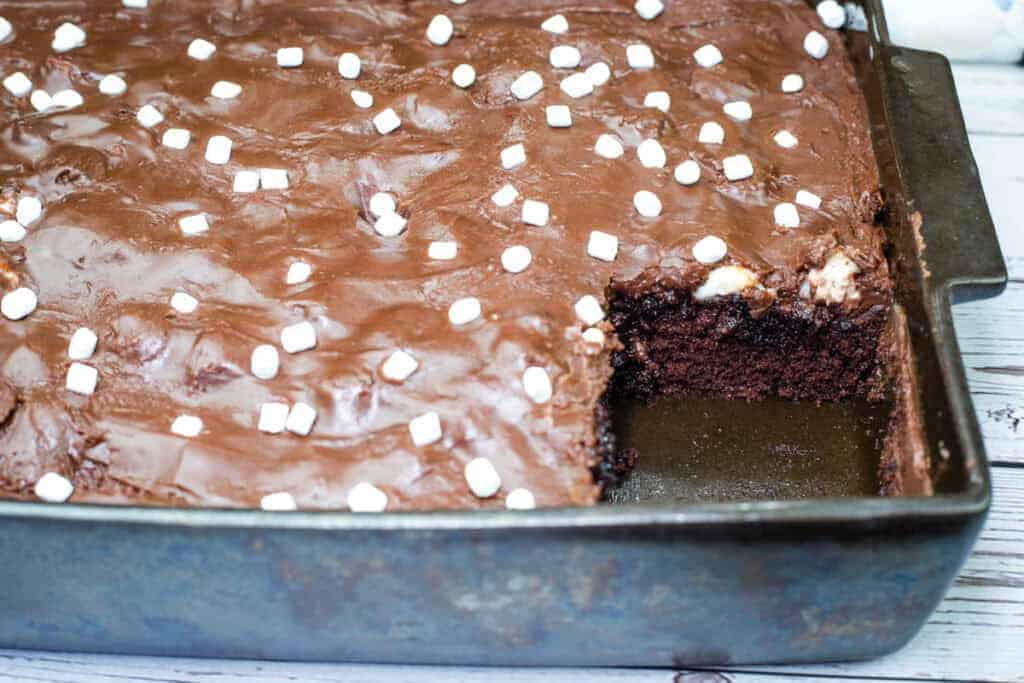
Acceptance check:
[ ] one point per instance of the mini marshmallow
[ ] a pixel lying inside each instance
(382, 203)
(516, 259)
(362, 99)
(577, 85)
(687, 173)
(709, 249)
(443, 251)
(300, 419)
(725, 281)
(135, 4)
(527, 85)
(520, 499)
(188, 426)
(425, 429)
(176, 138)
(593, 338)
(659, 99)
(711, 133)
(40, 100)
(608, 147)
(298, 273)
(264, 362)
(82, 379)
(201, 49)
(290, 57)
(832, 14)
(513, 156)
(639, 56)
(194, 225)
(588, 310)
(18, 304)
(535, 213)
(218, 150)
(273, 179)
(464, 75)
(298, 337)
(273, 417)
(226, 90)
(739, 111)
(648, 9)
(12, 231)
(708, 56)
(5, 29)
(787, 216)
(148, 116)
(556, 24)
(29, 210)
(816, 45)
(464, 311)
(647, 204)
(565, 57)
(808, 199)
(786, 140)
(792, 83)
(558, 116)
(598, 73)
(386, 121)
(738, 167)
(505, 196)
(53, 488)
(278, 502)
(365, 497)
(184, 303)
(67, 99)
(440, 30)
(602, 246)
(349, 65)
(390, 225)
(246, 182)
(835, 282)
(537, 384)
(482, 478)
(651, 154)
(83, 344)
(67, 37)
(18, 84)
(399, 367)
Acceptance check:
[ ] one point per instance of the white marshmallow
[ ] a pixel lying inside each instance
(648, 9)
(365, 497)
(832, 14)
(399, 367)
(349, 65)
(787, 216)
(725, 281)
(81, 379)
(564, 57)
(588, 310)
(537, 384)
(443, 251)
(290, 57)
(440, 30)
(135, 4)
(425, 429)
(264, 362)
(12, 231)
(598, 73)
(647, 204)
(535, 213)
(835, 282)
(557, 24)
(218, 150)
(188, 426)
(281, 501)
(382, 203)
(577, 85)
(464, 75)
(18, 304)
(29, 210)
(505, 196)
(362, 99)
(558, 116)
(176, 138)
(808, 199)
(53, 488)
(184, 303)
(67, 37)
(300, 419)
(527, 85)
(298, 273)
(792, 83)
(608, 147)
(386, 121)
(67, 99)
(83, 344)
(298, 337)
(273, 179)
(5, 29)
(273, 417)
(520, 499)
(516, 259)
(709, 249)
(711, 133)
(738, 167)
(513, 156)
(482, 478)
(602, 246)
(148, 116)
(18, 84)
(40, 100)
(246, 182)
(740, 111)
(639, 56)
(226, 90)
(193, 225)
(651, 154)
(708, 56)
(201, 49)
(816, 45)
(786, 140)
(464, 311)
(659, 99)
(687, 173)
(593, 338)
(390, 225)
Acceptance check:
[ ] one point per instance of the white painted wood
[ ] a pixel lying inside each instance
(992, 97)
(1001, 163)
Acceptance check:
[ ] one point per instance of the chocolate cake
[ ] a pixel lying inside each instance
(395, 255)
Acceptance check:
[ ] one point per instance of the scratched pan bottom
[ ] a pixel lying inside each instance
(703, 450)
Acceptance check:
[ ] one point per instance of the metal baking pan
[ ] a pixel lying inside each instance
(662, 583)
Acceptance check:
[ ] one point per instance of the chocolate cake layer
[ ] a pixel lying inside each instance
(135, 212)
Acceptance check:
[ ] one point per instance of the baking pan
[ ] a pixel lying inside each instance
(659, 583)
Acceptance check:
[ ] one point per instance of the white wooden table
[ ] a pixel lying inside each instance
(977, 634)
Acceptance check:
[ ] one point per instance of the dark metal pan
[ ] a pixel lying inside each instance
(661, 583)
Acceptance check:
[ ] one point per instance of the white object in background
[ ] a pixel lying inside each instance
(968, 30)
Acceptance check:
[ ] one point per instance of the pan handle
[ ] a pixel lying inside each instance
(957, 242)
